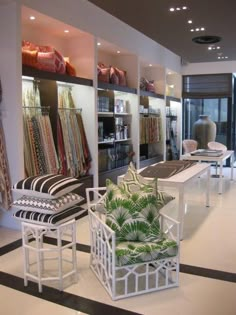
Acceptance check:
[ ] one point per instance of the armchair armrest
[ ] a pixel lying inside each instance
(170, 227)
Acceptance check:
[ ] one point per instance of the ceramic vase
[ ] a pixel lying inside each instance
(204, 131)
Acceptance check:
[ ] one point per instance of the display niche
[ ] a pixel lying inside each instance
(53, 109)
(151, 115)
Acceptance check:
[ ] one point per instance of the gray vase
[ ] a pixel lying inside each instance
(204, 131)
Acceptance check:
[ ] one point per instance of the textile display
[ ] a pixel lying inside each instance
(73, 150)
(150, 129)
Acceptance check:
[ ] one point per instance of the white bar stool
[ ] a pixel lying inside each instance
(33, 243)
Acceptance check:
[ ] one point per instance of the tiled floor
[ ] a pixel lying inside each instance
(209, 243)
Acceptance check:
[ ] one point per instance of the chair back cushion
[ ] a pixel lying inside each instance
(132, 208)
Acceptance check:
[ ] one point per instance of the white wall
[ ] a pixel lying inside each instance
(11, 110)
(89, 18)
(209, 67)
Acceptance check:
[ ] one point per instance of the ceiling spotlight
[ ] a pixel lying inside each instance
(150, 65)
(210, 48)
(218, 57)
(190, 21)
(98, 44)
(172, 9)
(184, 8)
(202, 28)
(32, 17)
(66, 31)
(118, 51)
(218, 47)
(197, 29)
(226, 57)
(192, 30)
(178, 9)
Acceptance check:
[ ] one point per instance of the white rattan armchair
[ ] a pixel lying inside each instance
(133, 279)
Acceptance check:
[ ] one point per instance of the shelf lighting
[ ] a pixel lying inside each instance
(98, 44)
(66, 31)
(150, 65)
(118, 51)
(32, 17)
(172, 9)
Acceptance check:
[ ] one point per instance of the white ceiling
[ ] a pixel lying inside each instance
(170, 29)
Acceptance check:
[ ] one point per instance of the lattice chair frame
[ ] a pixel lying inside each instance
(128, 280)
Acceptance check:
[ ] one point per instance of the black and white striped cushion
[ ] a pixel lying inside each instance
(46, 186)
(50, 219)
(50, 206)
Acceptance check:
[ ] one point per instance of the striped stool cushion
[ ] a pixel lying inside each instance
(50, 219)
(48, 186)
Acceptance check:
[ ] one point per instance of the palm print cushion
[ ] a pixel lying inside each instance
(135, 219)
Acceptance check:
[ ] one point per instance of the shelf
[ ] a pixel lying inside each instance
(150, 114)
(151, 94)
(115, 87)
(172, 98)
(122, 114)
(39, 74)
(105, 114)
(122, 140)
(106, 142)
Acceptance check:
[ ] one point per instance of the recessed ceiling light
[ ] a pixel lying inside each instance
(66, 31)
(32, 17)
(197, 29)
(172, 9)
(118, 51)
(218, 47)
(218, 57)
(184, 8)
(202, 28)
(226, 57)
(150, 65)
(192, 30)
(98, 44)
(210, 48)
(178, 9)
(190, 21)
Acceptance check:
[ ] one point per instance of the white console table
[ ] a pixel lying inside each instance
(219, 159)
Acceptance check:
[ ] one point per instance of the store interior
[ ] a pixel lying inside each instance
(91, 96)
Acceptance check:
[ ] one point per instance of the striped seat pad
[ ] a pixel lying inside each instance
(50, 206)
(48, 186)
(50, 219)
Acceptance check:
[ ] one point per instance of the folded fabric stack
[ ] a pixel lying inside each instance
(48, 199)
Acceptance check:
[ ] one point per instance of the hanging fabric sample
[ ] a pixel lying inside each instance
(73, 149)
(150, 129)
(5, 182)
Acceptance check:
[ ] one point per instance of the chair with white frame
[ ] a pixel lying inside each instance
(121, 281)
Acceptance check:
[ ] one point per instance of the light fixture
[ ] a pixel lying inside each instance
(178, 9)
(32, 17)
(207, 39)
(209, 48)
(190, 21)
(226, 57)
(218, 47)
(172, 9)
(150, 65)
(202, 28)
(198, 29)
(192, 30)
(98, 44)
(184, 8)
(118, 51)
(66, 31)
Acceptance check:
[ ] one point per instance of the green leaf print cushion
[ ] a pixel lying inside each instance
(134, 216)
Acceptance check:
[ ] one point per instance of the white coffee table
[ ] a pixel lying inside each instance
(219, 159)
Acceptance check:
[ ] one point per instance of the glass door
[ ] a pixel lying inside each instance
(218, 109)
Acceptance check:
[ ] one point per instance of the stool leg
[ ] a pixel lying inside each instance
(25, 254)
(38, 243)
(74, 257)
(59, 258)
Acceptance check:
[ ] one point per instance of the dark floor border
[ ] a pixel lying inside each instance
(208, 273)
(63, 298)
(188, 269)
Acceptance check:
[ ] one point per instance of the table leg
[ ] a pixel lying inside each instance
(208, 187)
(221, 178)
(232, 166)
(181, 208)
